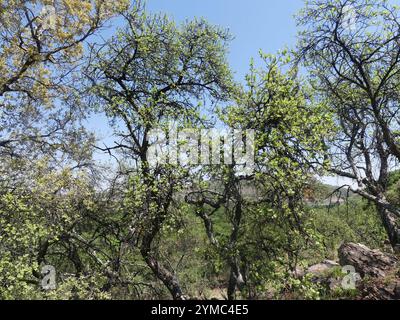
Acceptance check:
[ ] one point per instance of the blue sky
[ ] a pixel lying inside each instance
(255, 24)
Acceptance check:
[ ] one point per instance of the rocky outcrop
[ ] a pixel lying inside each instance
(376, 275)
(367, 262)
(380, 271)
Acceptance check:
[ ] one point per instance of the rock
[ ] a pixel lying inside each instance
(367, 262)
(298, 272)
(381, 289)
(331, 263)
(321, 273)
(321, 268)
(379, 270)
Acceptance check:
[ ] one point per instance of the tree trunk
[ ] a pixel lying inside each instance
(392, 226)
(162, 273)
(235, 280)
(167, 277)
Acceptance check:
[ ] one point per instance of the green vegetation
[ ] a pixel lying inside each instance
(133, 229)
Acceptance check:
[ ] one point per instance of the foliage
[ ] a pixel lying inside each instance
(135, 229)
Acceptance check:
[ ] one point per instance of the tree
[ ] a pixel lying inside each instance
(41, 48)
(351, 49)
(43, 146)
(264, 210)
(153, 72)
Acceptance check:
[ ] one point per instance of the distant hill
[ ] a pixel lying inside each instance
(321, 194)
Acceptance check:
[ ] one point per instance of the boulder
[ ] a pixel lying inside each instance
(322, 268)
(379, 270)
(367, 262)
(322, 274)
(381, 289)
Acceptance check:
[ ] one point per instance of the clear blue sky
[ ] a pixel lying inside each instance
(256, 24)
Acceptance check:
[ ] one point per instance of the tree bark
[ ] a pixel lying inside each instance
(392, 226)
(235, 280)
(167, 277)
